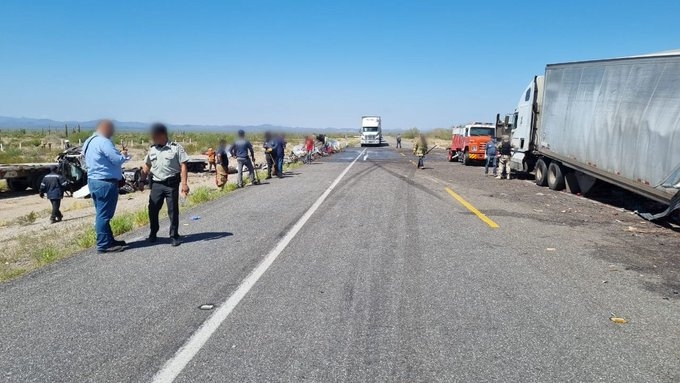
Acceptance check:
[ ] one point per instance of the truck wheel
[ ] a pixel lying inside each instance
(36, 181)
(541, 173)
(466, 159)
(450, 155)
(16, 186)
(555, 177)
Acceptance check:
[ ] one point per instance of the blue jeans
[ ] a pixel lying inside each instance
(105, 197)
(279, 164)
(490, 160)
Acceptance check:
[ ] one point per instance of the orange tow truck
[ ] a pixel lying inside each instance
(468, 143)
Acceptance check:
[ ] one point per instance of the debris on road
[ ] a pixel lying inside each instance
(617, 320)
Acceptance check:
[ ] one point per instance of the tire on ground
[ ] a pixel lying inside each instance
(555, 177)
(466, 159)
(541, 172)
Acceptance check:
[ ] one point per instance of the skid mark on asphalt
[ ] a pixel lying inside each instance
(173, 367)
(473, 209)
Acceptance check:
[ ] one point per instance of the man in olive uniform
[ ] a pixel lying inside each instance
(166, 162)
(505, 150)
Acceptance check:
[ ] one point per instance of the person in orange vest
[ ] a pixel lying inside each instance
(211, 160)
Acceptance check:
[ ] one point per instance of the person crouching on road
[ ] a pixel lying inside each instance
(222, 168)
(420, 149)
(491, 154)
(166, 161)
(104, 163)
(505, 149)
(241, 149)
(54, 186)
(270, 153)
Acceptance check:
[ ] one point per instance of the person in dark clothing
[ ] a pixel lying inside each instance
(505, 148)
(280, 154)
(398, 141)
(270, 153)
(241, 149)
(53, 185)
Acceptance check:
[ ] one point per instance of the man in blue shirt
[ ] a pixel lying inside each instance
(491, 153)
(241, 149)
(104, 163)
(280, 154)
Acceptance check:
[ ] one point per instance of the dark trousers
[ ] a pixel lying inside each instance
(271, 165)
(398, 144)
(168, 191)
(56, 214)
(420, 162)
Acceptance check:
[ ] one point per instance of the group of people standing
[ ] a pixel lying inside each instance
(164, 167)
(244, 153)
(498, 153)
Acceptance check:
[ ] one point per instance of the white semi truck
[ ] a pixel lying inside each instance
(615, 120)
(371, 130)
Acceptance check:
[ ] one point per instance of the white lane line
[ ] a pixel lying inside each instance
(173, 367)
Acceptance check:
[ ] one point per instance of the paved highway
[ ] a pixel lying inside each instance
(358, 268)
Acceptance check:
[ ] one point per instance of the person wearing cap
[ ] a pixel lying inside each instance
(104, 171)
(241, 149)
(166, 163)
(505, 150)
(222, 169)
(53, 185)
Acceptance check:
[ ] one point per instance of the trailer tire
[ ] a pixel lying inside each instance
(541, 173)
(16, 186)
(555, 177)
(36, 181)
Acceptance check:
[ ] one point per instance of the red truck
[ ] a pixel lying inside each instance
(468, 143)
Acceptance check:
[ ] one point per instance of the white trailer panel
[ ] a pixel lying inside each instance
(620, 116)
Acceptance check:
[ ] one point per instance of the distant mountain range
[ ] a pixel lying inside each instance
(43, 123)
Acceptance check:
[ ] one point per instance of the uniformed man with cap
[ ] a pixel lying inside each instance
(505, 149)
(166, 164)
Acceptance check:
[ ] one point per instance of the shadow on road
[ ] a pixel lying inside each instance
(197, 237)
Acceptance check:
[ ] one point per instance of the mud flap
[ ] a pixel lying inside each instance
(674, 205)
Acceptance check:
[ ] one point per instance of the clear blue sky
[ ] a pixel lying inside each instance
(310, 63)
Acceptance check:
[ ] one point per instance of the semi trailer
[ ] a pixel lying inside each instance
(371, 130)
(614, 120)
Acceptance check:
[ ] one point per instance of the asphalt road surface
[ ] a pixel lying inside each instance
(366, 271)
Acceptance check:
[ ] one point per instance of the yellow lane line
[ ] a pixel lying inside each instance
(473, 209)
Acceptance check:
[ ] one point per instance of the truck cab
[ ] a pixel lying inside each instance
(468, 143)
(525, 122)
(371, 130)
